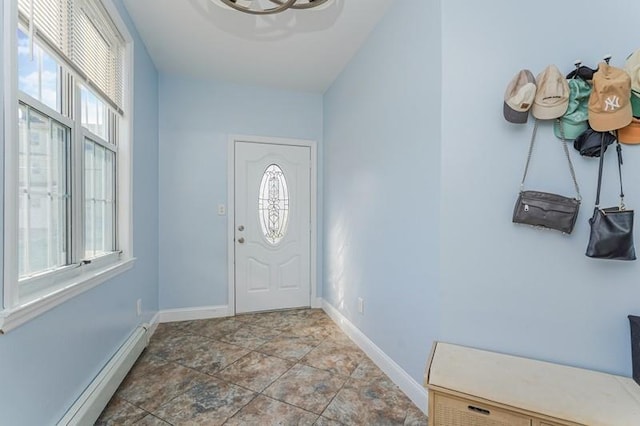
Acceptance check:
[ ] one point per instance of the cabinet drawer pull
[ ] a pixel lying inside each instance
(479, 410)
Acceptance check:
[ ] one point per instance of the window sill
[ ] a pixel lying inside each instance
(14, 317)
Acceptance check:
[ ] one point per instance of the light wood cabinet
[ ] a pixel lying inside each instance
(451, 411)
(480, 388)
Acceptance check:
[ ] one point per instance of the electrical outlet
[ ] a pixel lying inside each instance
(139, 307)
(222, 210)
(360, 305)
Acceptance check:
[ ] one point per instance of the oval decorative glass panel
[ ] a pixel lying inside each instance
(273, 204)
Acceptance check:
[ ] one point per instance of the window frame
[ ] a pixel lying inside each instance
(55, 287)
(31, 103)
(84, 137)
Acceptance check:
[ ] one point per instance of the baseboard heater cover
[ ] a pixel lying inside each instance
(87, 408)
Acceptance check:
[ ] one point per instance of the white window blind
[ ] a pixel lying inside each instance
(83, 33)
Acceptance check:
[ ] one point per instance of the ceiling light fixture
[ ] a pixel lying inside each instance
(264, 7)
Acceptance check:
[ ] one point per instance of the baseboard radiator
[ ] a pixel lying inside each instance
(87, 408)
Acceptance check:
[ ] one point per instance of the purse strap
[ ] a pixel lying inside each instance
(619, 152)
(566, 152)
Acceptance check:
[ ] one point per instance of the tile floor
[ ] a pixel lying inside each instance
(278, 368)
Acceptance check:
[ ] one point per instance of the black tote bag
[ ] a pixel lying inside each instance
(611, 234)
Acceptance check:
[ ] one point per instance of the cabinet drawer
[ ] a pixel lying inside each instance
(451, 411)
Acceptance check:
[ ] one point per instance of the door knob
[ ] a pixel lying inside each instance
(241, 240)
(241, 228)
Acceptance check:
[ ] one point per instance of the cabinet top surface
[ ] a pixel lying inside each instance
(568, 393)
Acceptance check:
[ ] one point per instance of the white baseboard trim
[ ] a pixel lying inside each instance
(87, 408)
(152, 326)
(190, 314)
(405, 382)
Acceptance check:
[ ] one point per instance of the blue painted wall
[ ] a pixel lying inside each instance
(196, 119)
(510, 288)
(48, 362)
(2, 150)
(420, 176)
(382, 185)
(421, 173)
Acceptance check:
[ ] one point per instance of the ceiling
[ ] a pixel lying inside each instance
(302, 50)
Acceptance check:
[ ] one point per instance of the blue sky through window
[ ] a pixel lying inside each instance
(39, 76)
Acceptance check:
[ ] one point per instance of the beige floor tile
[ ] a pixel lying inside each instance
(265, 411)
(214, 327)
(306, 387)
(367, 370)
(337, 336)
(144, 367)
(280, 320)
(203, 354)
(323, 421)
(313, 330)
(209, 402)
(210, 371)
(152, 420)
(171, 328)
(249, 336)
(415, 417)
(255, 371)
(120, 412)
(167, 346)
(334, 357)
(264, 319)
(289, 347)
(369, 403)
(161, 385)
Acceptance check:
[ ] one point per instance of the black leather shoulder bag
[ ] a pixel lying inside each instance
(543, 209)
(611, 228)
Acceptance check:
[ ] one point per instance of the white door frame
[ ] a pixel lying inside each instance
(231, 211)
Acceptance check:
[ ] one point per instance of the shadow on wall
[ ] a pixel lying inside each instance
(268, 27)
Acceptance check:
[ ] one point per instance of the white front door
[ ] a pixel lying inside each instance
(272, 226)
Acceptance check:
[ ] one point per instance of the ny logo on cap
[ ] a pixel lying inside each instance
(611, 103)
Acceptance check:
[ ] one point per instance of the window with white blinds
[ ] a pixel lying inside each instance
(67, 152)
(82, 32)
